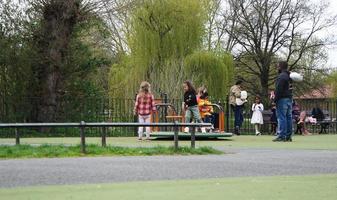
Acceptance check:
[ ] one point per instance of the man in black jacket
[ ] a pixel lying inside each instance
(283, 100)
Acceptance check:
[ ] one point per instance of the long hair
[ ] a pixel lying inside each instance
(144, 88)
(190, 87)
(257, 97)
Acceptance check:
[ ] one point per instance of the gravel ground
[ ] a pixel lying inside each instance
(237, 162)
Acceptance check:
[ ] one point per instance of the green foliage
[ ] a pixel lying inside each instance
(15, 64)
(167, 29)
(124, 78)
(27, 151)
(85, 61)
(163, 33)
(83, 69)
(211, 70)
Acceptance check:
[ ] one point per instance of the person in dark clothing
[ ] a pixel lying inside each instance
(273, 119)
(319, 115)
(283, 100)
(191, 105)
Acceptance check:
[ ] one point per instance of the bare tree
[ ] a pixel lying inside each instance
(116, 14)
(267, 30)
(221, 21)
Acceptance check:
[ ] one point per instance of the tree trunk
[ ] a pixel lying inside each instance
(59, 19)
(264, 93)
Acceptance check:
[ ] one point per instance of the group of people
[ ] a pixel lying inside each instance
(196, 105)
(198, 108)
(302, 117)
(237, 100)
(282, 106)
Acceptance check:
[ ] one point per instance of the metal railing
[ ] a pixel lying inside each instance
(82, 125)
(106, 109)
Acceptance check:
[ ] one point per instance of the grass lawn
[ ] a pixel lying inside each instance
(328, 142)
(247, 188)
(51, 151)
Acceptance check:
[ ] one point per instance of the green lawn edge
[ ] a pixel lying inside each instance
(312, 142)
(57, 151)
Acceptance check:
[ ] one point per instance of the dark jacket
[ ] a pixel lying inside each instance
(283, 86)
(318, 114)
(273, 117)
(190, 98)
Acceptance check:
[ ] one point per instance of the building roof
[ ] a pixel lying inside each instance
(320, 93)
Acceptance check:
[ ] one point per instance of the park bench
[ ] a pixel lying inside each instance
(267, 114)
(323, 124)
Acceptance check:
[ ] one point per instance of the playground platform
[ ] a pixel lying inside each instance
(198, 135)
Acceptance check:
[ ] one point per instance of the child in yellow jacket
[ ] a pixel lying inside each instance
(205, 109)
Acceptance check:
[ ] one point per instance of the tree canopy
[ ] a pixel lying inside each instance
(56, 50)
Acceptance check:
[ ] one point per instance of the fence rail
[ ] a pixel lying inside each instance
(82, 125)
(106, 109)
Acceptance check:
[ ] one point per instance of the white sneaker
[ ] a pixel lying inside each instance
(203, 130)
(186, 130)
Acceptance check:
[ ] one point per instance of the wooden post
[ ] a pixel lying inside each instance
(104, 137)
(82, 127)
(17, 137)
(176, 129)
(193, 138)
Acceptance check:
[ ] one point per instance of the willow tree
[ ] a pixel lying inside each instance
(163, 33)
(211, 70)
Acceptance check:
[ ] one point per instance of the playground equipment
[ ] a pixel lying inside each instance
(167, 112)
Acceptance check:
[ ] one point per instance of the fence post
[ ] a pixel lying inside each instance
(135, 119)
(176, 129)
(227, 114)
(82, 127)
(193, 138)
(17, 137)
(336, 114)
(165, 109)
(104, 137)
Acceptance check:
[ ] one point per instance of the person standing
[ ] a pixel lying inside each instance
(191, 105)
(235, 92)
(273, 119)
(283, 100)
(144, 106)
(257, 117)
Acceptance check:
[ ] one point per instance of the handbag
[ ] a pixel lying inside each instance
(243, 99)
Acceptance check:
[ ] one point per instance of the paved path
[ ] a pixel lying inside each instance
(239, 162)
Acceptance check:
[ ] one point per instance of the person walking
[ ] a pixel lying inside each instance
(283, 100)
(235, 93)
